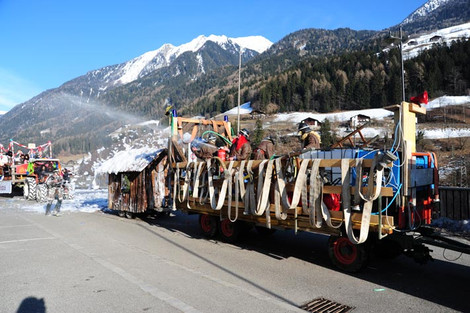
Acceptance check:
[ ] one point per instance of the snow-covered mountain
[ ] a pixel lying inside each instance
(416, 44)
(424, 10)
(77, 115)
(436, 14)
(116, 75)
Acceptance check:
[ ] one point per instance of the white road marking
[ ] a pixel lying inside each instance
(14, 226)
(26, 240)
(154, 291)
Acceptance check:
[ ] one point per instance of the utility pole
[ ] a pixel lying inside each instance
(239, 76)
(402, 66)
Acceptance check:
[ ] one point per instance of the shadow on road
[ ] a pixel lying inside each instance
(442, 282)
(194, 235)
(32, 305)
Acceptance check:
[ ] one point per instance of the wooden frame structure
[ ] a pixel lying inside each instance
(134, 192)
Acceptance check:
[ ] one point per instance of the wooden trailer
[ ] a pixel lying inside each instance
(136, 182)
(357, 196)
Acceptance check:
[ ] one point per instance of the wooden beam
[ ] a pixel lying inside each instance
(302, 219)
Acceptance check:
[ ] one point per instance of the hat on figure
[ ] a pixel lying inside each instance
(272, 139)
(303, 128)
(211, 139)
(245, 132)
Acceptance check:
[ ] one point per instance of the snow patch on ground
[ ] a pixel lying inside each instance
(245, 108)
(85, 200)
(462, 226)
(296, 117)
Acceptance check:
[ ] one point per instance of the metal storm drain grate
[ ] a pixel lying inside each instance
(322, 305)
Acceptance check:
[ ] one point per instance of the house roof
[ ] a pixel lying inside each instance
(133, 160)
(361, 116)
(311, 119)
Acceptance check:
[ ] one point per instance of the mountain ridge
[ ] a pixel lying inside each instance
(182, 77)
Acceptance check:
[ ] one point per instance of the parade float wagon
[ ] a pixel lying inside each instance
(29, 171)
(362, 198)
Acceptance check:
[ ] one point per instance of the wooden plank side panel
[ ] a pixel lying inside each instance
(455, 203)
(114, 190)
(159, 188)
(458, 205)
(443, 203)
(149, 188)
(463, 201)
(138, 199)
(303, 219)
(466, 208)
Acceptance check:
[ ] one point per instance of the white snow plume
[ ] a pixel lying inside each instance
(95, 106)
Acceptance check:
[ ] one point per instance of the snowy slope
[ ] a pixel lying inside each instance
(245, 108)
(415, 45)
(424, 10)
(162, 57)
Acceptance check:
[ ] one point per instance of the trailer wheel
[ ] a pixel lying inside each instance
(347, 256)
(121, 213)
(229, 230)
(130, 215)
(25, 190)
(41, 193)
(208, 224)
(29, 189)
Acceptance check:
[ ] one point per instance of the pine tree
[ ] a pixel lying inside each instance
(258, 133)
(327, 137)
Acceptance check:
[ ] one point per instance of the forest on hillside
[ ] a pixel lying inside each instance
(355, 80)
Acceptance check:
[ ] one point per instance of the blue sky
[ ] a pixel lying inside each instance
(45, 43)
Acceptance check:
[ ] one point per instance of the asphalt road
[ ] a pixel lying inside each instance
(99, 262)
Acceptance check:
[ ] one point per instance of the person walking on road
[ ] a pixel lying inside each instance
(54, 192)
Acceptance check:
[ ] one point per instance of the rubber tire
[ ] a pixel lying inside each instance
(130, 215)
(121, 213)
(41, 193)
(208, 225)
(229, 231)
(32, 188)
(25, 190)
(347, 256)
